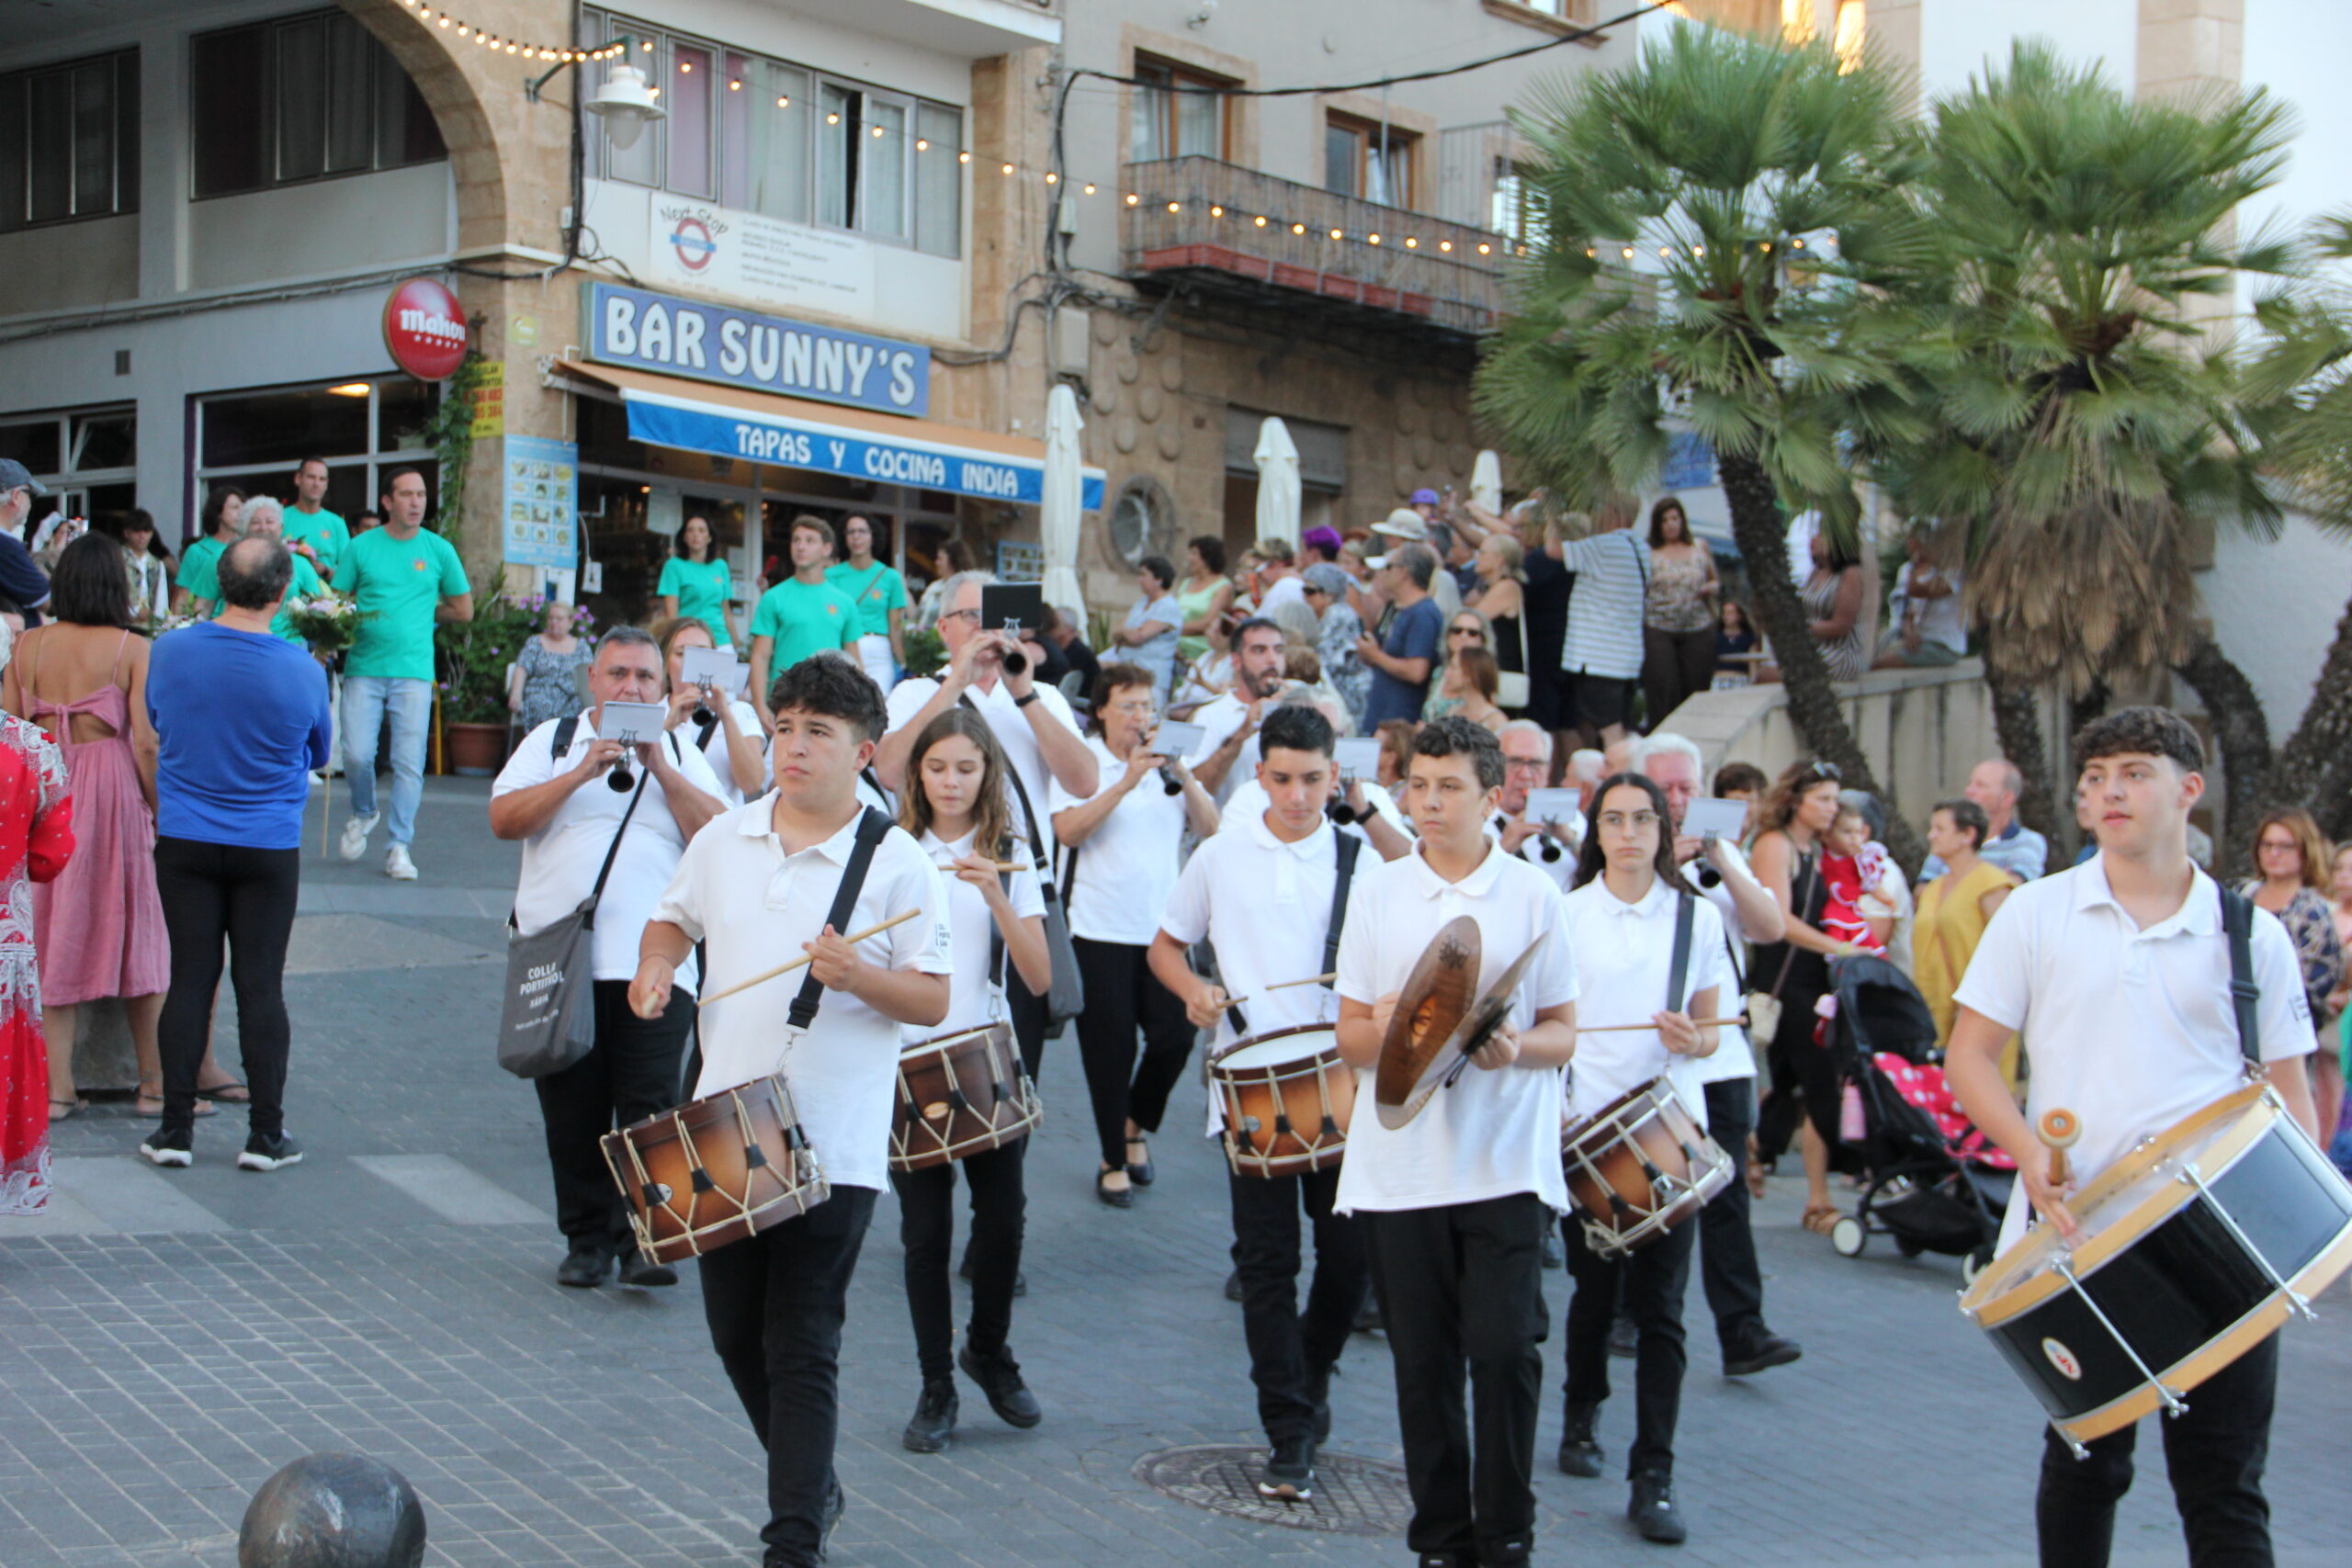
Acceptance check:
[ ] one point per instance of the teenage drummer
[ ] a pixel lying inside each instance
(955, 807)
(1455, 1203)
(2117, 972)
(1265, 894)
(1627, 918)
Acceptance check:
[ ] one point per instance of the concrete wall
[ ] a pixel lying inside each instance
(324, 226)
(69, 265)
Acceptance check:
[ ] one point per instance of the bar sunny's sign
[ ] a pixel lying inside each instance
(732, 347)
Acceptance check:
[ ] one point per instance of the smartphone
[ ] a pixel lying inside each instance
(1012, 606)
(1710, 819)
(1358, 757)
(716, 668)
(1177, 738)
(1550, 805)
(633, 723)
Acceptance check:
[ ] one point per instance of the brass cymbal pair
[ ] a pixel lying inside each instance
(1441, 1018)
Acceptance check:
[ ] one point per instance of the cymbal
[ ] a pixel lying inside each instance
(1493, 1007)
(1423, 1043)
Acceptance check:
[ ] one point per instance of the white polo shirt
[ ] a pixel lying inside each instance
(1624, 958)
(1265, 907)
(2133, 1029)
(977, 996)
(755, 905)
(1009, 724)
(1562, 870)
(722, 761)
(1126, 867)
(560, 861)
(1494, 1133)
(1735, 1056)
(1250, 803)
(1220, 718)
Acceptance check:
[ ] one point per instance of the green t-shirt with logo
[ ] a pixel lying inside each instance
(804, 618)
(398, 584)
(306, 585)
(200, 569)
(877, 591)
(700, 588)
(322, 531)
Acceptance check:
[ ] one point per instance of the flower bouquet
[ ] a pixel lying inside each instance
(328, 622)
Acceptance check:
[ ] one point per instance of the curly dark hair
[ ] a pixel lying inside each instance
(1212, 550)
(831, 685)
(1294, 727)
(1454, 736)
(2145, 731)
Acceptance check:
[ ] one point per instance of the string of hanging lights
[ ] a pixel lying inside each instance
(499, 44)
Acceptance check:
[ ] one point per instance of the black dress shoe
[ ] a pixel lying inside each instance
(1653, 1510)
(1625, 1336)
(1117, 1197)
(998, 1376)
(1233, 1286)
(1289, 1472)
(1763, 1353)
(1581, 1452)
(1318, 1393)
(1368, 1315)
(1140, 1174)
(1556, 1251)
(583, 1268)
(934, 1419)
(836, 1504)
(640, 1270)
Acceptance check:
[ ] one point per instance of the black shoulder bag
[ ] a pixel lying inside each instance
(1066, 994)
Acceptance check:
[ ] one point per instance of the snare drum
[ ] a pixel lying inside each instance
(1286, 1099)
(1639, 1167)
(715, 1170)
(960, 1094)
(2192, 1248)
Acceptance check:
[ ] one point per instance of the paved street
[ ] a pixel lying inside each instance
(167, 1341)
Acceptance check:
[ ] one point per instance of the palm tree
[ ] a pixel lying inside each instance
(2083, 423)
(1753, 185)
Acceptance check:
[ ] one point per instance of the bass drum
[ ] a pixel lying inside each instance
(2192, 1250)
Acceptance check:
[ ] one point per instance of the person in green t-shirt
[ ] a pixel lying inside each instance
(802, 615)
(222, 519)
(313, 532)
(694, 581)
(881, 594)
(266, 519)
(403, 581)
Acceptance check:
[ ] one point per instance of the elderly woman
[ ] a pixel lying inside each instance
(1152, 624)
(266, 518)
(1337, 629)
(2294, 863)
(541, 684)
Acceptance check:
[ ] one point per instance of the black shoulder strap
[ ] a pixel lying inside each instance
(560, 741)
(1028, 814)
(2237, 924)
(870, 829)
(597, 893)
(703, 732)
(1686, 915)
(996, 933)
(1346, 847)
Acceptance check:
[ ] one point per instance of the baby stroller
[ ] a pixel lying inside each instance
(1931, 1180)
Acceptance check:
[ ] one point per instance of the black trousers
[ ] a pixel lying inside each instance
(1121, 996)
(775, 1304)
(1652, 1282)
(1284, 1341)
(209, 892)
(1025, 1011)
(1805, 1080)
(1676, 666)
(2214, 1455)
(1733, 1280)
(629, 1074)
(1462, 1286)
(927, 1230)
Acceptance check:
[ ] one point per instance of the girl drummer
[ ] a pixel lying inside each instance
(1622, 923)
(954, 806)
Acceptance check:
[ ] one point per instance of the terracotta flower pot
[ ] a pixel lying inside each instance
(476, 750)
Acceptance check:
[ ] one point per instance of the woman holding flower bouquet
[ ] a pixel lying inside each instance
(266, 519)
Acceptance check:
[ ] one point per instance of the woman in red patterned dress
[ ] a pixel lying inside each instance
(35, 836)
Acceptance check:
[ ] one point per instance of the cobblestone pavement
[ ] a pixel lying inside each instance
(168, 1341)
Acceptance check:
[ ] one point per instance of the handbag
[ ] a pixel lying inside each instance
(546, 1022)
(1764, 1007)
(1511, 688)
(1066, 993)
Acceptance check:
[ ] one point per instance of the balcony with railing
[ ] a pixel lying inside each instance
(1238, 233)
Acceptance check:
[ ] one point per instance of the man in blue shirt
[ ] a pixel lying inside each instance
(21, 578)
(240, 718)
(1405, 653)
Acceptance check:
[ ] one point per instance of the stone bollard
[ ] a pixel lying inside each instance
(103, 1058)
(333, 1510)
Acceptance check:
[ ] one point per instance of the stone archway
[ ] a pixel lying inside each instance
(457, 84)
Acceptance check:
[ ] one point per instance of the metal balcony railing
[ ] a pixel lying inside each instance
(1234, 228)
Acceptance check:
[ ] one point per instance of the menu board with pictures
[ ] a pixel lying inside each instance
(541, 503)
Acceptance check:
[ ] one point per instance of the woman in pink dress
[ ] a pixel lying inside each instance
(35, 836)
(99, 925)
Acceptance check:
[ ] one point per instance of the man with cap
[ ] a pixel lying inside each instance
(21, 578)
(1408, 524)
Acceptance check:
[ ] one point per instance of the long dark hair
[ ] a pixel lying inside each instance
(1666, 503)
(1592, 859)
(991, 821)
(215, 505)
(684, 550)
(89, 587)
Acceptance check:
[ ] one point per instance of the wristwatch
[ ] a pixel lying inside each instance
(1024, 701)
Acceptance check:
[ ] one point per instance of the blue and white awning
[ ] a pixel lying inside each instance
(789, 433)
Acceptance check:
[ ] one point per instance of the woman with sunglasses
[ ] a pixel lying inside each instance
(1464, 630)
(1796, 817)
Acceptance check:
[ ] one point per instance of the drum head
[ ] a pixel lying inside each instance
(1277, 1048)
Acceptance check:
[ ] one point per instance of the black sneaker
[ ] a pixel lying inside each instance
(1581, 1452)
(1318, 1393)
(1625, 1336)
(1653, 1510)
(1512, 1553)
(1763, 1353)
(584, 1266)
(1289, 1473)
(935, 1418)
(644, 1272)
(1368, 1315)
(998, 1376)
(170, 1146)
(269, 1153)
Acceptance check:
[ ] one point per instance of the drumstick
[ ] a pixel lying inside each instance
(2059, 1130)
(1629, 1028)
(786, 968)
(1280, 986)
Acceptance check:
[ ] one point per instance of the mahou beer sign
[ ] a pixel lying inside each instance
(425, 330)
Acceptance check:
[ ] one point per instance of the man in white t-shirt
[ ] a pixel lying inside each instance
(1361, 808)
(552, 795)
(1263, 894)
(1715, 870)
(1031, 722)
(1229, 752)
(2118, 971)
(1455, 1203)
(1278, 579)
(1603, 652)
(759, 885)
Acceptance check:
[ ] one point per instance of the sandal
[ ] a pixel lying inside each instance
(1822, 1218)
(153, 1105)
(67, 1109)
(228, 1091)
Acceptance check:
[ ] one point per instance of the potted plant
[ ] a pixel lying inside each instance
(473, 657)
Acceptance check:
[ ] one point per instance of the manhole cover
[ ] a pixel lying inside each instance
(1352, 1496)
